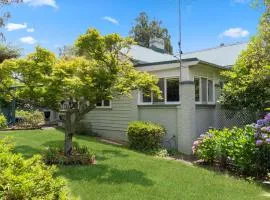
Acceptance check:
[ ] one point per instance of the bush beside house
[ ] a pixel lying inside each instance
(145, 136)
(246, 150)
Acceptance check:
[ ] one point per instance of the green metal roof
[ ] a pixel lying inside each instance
(142, 55)
(224, 56)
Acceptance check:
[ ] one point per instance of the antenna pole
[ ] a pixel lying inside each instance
(180, 38)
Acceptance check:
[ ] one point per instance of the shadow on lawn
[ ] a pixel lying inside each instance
(105, 174)
(102, 173)
(26, 151)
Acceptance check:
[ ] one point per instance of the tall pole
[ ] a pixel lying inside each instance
(180, 38)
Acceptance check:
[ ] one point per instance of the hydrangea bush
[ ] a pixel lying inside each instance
(246, 150)
(262, 127)
(262, 137)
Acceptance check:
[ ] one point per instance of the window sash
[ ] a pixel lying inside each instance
(163, 83)
(104, 104)
(202, 95)
(197, 82)
(172, 94)
(210, 92)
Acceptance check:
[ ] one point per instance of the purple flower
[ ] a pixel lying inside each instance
(268, 140)
(261, 122)
(202, 136)
(257, 126)
(264, 136)
(259, 143)
(267, 117)
(257, 135)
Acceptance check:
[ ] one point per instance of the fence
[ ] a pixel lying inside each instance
(228, 118)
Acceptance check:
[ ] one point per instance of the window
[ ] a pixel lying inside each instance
(170, 92)
(210, 91)
(197, 89)
(103, 104)
(146, 97)
(204, 90)
(161, 85)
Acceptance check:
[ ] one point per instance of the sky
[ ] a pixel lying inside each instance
(54, 23)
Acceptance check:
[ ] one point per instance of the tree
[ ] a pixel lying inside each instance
(8, 52)
(248, 82)
(97, 72)
(6, 15)
(144, 30)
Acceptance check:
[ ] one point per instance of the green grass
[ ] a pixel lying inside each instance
(124, 174)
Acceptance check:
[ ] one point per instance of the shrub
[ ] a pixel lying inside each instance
(145, 136)
(228, 148)
(29, 119)
(3, 121)
(245, 149)
(262, 138)
(79, 156)
(27, 179)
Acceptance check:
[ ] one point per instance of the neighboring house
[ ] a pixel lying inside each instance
(187, 110)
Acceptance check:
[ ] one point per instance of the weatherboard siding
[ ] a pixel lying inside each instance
(111, 122)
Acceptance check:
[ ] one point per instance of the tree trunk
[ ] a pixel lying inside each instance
(70, 131)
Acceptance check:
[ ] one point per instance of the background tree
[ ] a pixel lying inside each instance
(248, 82)
(97, 72)
(144, 30)
(6, 15)
(8, 52)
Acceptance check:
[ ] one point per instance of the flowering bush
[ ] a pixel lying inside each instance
(262, 137)
(262, 127)
(245, 149)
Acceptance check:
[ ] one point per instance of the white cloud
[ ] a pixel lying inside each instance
(28, 40)
(14, 27)
(30, 30)
(37, 3)
(110, 19)
(235, 33)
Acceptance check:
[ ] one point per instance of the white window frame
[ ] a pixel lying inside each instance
(165, 102)
(214, 94)
(102, 104)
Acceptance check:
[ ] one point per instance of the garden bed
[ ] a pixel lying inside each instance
(79, 156)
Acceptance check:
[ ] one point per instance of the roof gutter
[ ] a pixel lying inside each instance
(196, 60)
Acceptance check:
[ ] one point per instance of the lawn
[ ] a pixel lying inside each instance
(124, 174)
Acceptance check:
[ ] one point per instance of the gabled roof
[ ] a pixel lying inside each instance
(224, 56)
(142, 55)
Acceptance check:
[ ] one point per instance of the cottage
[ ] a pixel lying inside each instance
(189, 105)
